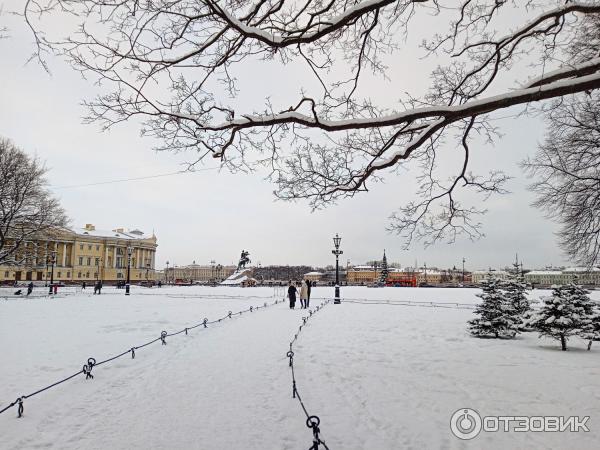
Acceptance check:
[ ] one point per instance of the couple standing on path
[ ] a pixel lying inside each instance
(304, 294)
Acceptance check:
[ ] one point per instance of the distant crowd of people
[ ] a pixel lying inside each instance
(303, 289)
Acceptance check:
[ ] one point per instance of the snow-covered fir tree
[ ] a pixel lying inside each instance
(515, 292)
(592, 331)
(497, 317)
(568, 312)
(384, 270)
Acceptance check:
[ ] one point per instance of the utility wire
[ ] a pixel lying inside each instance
(126, 180)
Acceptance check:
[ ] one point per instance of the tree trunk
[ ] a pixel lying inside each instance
(563, 342)
(589, 345)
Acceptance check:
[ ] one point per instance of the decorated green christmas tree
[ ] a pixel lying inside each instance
(384, 270)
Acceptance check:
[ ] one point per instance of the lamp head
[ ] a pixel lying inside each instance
(336, 241)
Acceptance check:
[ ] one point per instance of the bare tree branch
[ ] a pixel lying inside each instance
(168, 61)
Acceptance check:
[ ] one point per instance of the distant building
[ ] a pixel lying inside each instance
(578, 275)
(363, 274)
(479, 275)
(84, 254)
(314, 276)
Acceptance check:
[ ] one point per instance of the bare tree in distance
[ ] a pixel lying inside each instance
(332, 143)
(566, 168)
(28, 211)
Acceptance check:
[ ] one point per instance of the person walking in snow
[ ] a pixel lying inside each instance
(304, 294)
(83, 285)
(308, 285)
(29, 288)
(292, 294)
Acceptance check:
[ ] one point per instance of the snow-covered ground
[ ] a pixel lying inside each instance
(378, 376)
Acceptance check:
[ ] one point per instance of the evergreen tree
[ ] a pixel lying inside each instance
(515, 292)
(568, 312)
(497, 316)
(592, 331)
(384, 270)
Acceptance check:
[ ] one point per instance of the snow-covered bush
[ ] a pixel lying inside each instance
(568, 312)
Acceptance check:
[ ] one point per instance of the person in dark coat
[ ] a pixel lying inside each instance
(30, 288)
(292, 295)
(308, 286)
(83, 285)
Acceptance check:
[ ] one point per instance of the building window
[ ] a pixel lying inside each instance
(81, 260)
(80, 246)
(78, 274)
(97, 261)
(87, 275)
(59, 274)
(97, 248)
(89, 261)
(89, 246)
(95, 274)
(119, 275)
(68, 274)
(6, 274)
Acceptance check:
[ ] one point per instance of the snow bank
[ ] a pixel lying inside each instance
(378, 376)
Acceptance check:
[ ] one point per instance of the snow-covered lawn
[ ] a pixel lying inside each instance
(378, 376)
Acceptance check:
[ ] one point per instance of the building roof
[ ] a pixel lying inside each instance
(544, 272)
(120, 233)
(581, 269)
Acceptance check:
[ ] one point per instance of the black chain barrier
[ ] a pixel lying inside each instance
(312, 422)
(91, 362)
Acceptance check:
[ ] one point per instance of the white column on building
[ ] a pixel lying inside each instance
(153, 255)
(64, 255)
(115, 256)
(35, 246)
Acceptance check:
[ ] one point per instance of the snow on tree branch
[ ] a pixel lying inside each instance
(180, 66)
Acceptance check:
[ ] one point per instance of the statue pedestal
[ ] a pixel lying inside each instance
(239, 277)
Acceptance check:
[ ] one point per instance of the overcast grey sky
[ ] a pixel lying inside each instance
(209, 215)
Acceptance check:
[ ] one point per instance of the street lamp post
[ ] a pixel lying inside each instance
(337, 252)
(52, 262)
(129, 251)
(46, 273)
(167, 274)
(463, 272)
(147, 269)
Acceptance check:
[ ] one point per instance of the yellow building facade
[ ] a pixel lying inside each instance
(84, 254)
